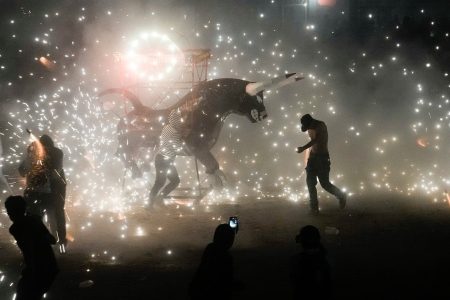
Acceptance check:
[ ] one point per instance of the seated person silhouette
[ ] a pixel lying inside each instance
(214, 277)
(310, 271)
(34, 240)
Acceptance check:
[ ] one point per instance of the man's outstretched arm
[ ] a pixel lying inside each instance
(309, 145)
(312, 142)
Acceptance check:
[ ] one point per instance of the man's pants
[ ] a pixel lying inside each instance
(318, 166)
(57, 218)
(164, 170)
(53, 204)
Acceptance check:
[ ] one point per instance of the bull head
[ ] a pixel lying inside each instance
(253, 105)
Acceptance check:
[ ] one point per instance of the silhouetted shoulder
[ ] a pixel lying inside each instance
(59, 152)
(31, 227)
(321, 124)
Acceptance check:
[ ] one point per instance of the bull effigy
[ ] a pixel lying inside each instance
(191, 127)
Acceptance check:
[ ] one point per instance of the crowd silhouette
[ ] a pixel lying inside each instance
(214, 278)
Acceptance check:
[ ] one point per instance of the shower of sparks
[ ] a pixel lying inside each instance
(403, 150)
(73, 115)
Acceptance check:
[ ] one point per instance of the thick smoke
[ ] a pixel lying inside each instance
(384, 100)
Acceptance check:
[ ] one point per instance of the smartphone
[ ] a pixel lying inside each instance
(234, 223)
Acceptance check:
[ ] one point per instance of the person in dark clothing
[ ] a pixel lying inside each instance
(318, 165)
(46, 184)
(34, 241)
(55, 209)
(310, 271)
(214, 277)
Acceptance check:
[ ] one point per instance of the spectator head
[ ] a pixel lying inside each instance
(309, 237)
(15, 207)
(306, 121)
(224, 236)
(46, 141)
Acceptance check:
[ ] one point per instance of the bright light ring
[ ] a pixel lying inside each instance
(153, 57)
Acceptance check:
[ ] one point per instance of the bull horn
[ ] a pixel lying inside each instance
(137, 104)
(256, 87)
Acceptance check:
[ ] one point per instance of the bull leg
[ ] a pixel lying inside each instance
(217, 177)
(125, 153)
(208, 160)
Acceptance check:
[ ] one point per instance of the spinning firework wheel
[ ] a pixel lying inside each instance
(166, 76)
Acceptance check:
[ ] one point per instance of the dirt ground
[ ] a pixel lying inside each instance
(387, 248)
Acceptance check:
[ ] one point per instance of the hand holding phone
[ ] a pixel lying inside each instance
(233, 222)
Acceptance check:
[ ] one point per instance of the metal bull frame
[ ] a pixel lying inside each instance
(194, 71)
